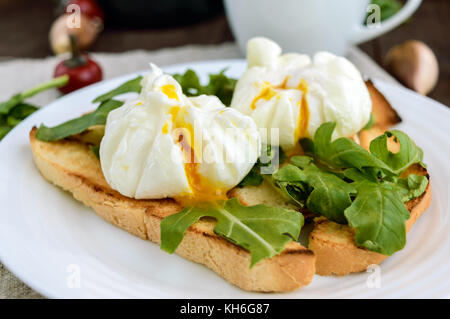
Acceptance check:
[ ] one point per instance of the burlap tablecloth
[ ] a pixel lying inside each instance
(21, 74)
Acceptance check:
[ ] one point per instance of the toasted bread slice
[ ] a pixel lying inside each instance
(384, 114)
(71, 165)
(262, 194)
(266, 194)
(334, 245)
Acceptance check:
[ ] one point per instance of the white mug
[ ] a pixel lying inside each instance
(308, 26)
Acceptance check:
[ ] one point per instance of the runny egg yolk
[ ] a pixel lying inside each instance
(268, 92)
(169, 91)
(304, 111)
(202, 189)
(165, 128)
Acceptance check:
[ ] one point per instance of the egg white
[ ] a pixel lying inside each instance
(328, 88)
(164, 144)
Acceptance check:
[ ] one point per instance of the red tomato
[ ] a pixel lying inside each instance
(89, 8)
(82, 71)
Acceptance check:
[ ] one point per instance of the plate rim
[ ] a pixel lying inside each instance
(20, 272)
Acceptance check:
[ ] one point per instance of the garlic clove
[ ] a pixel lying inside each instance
(414, 64)
(85, 34)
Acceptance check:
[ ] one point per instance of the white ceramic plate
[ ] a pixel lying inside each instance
(64, 250)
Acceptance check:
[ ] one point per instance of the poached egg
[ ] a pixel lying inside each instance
(296, 94)
(165, 144)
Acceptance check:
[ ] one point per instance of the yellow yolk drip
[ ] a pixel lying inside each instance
(266, 93)
(202, 189)
(269, 91)
(165, 128)
(169, 91)
(303, 119)
(284, 84)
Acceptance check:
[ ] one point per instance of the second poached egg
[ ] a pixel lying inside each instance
(295, 94)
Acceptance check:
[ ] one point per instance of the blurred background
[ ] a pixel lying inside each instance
(156, 24)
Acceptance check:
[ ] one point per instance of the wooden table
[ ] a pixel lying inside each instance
(24, 26)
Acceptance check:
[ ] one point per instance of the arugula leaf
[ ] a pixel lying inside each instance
(4, 129)
(412, 186)
(330, 195)
(133, 85)
(98, 117)
(263, 231)
(340, 171)
(22, 110)
(219, 85)
(19, 112)
(408, 155)
(343, 152)
(6, 106)
(357, 175)
(14, 110)
(18, 98)
(269, 160)
(16, 115)
(378, 215)
(77, 125)
(253, 178)
(190, 83)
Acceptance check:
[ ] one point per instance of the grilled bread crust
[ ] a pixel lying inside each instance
(71, 165)
(334, 244)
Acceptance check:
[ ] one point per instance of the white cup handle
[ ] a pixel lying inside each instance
(365, 33)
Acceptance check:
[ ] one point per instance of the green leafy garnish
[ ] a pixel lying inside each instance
(378, 215)
(17, 99)
(263, 231)
(18, 113)
(133, 85)
(15, 110)
(412, 186)
(330, 195)
(4, 129)
(269, 160)
(189, 82)
(98, 117)
(78, 125)
(408, 155)
(342, 152)
(253, 178)
(347, 184)
(219, 85)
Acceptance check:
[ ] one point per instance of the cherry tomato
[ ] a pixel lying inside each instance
(80, 68)
(89, 8)
(81, 74)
